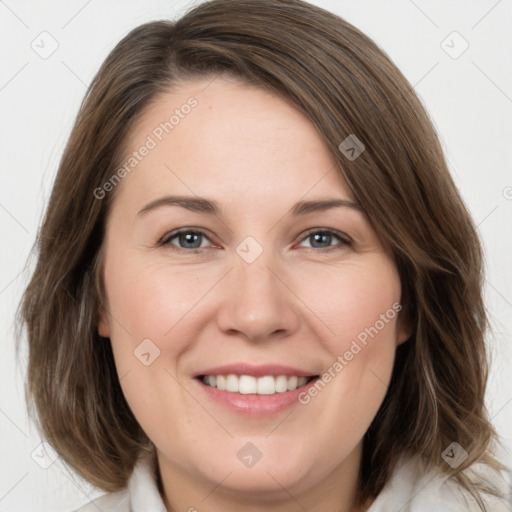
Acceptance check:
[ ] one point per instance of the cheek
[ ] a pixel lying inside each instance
(362, 315)
(152, 324)
(150, 301)
(359, 302)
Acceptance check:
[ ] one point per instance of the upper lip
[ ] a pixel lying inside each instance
(255, 370)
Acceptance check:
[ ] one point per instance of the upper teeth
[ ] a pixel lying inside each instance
(246, 384)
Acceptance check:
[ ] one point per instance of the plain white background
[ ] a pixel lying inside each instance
(468, 92)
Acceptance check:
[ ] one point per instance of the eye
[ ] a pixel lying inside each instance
(322, 239)
(194, 240)
(185, 239)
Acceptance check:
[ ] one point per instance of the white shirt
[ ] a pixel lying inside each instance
(408, 490)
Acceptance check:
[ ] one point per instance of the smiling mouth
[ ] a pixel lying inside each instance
(249, 385)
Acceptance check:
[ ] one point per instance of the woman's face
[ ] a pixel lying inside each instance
(277, 277)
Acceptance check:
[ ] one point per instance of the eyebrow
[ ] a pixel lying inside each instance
(211, 207)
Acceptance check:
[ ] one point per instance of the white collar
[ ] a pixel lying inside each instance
(142, 486)
(410, 489)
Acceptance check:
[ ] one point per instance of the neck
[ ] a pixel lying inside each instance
(337, 490)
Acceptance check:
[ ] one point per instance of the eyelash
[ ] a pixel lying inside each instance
(344, 240)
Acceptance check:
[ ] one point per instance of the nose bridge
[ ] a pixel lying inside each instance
(258, 303)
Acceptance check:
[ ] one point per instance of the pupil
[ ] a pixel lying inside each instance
(317, 237)
(188, 239)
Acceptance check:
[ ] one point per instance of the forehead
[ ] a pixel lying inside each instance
(222, 135)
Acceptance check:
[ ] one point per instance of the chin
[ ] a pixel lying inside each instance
(275, 470)
(269, 479)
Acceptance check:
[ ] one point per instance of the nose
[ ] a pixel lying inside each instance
(258, 305)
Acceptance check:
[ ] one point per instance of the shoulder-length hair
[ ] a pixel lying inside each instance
(345, 85)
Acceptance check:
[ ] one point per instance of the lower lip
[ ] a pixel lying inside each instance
(255, 405)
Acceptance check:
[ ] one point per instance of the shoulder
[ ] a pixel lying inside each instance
(112, 502)
(140, 495)
(412, 488)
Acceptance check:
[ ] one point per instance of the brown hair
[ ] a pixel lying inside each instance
(345, 84)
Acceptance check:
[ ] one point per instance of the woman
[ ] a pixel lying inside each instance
(258, 287)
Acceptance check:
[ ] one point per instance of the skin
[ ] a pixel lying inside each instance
(297, 304)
